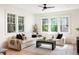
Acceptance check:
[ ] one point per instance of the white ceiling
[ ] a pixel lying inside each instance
(33, 8)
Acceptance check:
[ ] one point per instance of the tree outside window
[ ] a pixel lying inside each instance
(45, 25)
(54, 26)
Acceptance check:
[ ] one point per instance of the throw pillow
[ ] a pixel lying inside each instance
(59, 36)
(18, 36)
(24, 36)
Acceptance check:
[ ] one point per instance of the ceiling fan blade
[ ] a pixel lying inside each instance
(51, 7)
(44, 6)
(40, 6)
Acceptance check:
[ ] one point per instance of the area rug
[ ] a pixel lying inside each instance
(22, 52)
(44, 50)
(59, 50)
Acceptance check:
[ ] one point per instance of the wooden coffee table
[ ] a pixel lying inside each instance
(39, 42)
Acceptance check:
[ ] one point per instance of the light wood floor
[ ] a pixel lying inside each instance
(67, 49)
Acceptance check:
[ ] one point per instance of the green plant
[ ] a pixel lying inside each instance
(35, 28)
(54, 28)
(45, 28)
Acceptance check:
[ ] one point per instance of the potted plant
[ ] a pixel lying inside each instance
(35, 29)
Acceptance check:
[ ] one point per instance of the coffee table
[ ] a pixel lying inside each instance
(39, 42)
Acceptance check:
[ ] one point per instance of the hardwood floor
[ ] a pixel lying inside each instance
(67, 49)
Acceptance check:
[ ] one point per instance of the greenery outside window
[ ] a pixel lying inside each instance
(54, 26)
(45, 25)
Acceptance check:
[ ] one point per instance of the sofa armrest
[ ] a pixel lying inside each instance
(63, 38)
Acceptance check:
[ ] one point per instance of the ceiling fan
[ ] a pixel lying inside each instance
(44, 6)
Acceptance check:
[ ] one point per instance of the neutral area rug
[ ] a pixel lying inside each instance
(67, 49)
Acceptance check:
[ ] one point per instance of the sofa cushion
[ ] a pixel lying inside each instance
(26, 41)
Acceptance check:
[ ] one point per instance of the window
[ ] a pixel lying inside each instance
(45, 25)
(64, 24)
(11, 23)
(54, 26)
(21, 24)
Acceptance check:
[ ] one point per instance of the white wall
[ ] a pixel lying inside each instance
(1, 26)
(74, 22)
(4, 9)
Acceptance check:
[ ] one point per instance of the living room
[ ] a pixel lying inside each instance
(48, 23)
